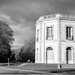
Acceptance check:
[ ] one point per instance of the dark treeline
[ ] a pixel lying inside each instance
(6, 39)
(26, 53)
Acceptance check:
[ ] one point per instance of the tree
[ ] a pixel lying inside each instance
(28, 51)
(12, 57)
(6, 39)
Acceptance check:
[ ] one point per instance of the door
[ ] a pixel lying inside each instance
(69, 55)
(49, 55)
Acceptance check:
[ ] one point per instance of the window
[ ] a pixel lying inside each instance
(37, 54)
(37, 35)
(49, 32)
(49, 48)
(49, 54)
(69, 33)
(69, 53)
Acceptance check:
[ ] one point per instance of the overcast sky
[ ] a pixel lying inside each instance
(22, 15)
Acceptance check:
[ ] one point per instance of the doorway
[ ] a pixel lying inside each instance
(69, 55)
(49, 55)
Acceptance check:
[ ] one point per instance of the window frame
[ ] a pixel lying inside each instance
(37, 36)
(69, 54)
(51, 50)
(49, 38)
(37, 53)
(71, 38)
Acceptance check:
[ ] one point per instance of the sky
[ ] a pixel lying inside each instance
(22, 15)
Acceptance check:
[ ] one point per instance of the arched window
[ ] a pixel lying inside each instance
(49, 54)
(49, 48)
(69, 54)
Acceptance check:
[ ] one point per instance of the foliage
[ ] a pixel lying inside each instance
(12, 57)
(28, 51)
(6, 38)
(18, 58)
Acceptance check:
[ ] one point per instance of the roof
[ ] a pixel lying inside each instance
(56, 16)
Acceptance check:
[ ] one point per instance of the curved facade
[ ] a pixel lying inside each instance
(55, 39)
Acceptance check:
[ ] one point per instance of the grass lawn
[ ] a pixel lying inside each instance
(10, 71)
(36, 69)
(14, 71)
(5, 70)
(44, 68)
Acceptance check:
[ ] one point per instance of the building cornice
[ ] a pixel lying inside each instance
(55, 17)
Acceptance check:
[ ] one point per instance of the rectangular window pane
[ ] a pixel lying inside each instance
(69, 55)
(49, 32)
(37, 35)
(37, 54)
(50, 55)
(66, 32)
(69, 33)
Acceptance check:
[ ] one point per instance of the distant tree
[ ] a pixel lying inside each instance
(6, 39)
(28, 51)
(12, 57)
(18, 58)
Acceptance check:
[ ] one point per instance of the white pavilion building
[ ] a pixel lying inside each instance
(55, 39)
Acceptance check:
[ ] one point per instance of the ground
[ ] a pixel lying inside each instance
(24, 70)
(10, 71)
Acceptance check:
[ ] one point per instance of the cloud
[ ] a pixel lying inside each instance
(27, 9)
(4, 2)
(22, 33)
(6, 18)
(31, 10)
(22, 14)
